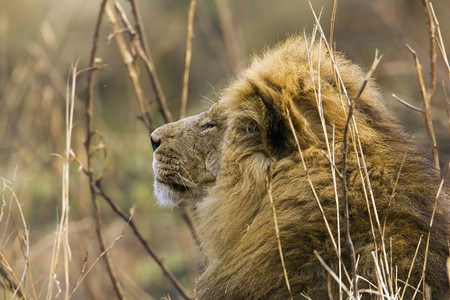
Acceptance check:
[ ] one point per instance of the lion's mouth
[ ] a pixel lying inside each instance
(174, 186)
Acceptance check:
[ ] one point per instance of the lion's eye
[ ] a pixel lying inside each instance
(207, 126)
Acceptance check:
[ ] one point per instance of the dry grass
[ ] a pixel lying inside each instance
(54, 241)
(277, 233)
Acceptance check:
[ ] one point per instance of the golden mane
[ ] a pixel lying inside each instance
(236, 226)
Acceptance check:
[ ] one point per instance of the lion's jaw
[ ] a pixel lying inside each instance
(186, 158)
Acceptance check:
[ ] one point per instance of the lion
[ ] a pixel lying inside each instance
(236, 157)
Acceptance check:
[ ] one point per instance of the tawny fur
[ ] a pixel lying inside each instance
(250, 139)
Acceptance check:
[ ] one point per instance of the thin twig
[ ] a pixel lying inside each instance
(440, 40)
(407, 104)
(141, 239)
(432, 36)
(379, 275)
(128, 60)
(411, 267)
(277, 233)
(146, 56)
(229, 32)
(344, 175)
(188, 56)
(98, 227)
(426, 107)
(84, 272)
(139, 26)
(214, 41)
(87, 144)
(332, 22)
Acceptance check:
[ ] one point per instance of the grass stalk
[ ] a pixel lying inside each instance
(331, 272)
(344, 176)
(306, 169)
(332, 23)
(277, 233)
(330, 150)
(430, 225)
(62, 232)
(16, 285)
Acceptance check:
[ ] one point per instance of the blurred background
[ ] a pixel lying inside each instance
(41, 40)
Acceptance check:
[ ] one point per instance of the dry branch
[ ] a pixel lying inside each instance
(229, 32)
(142, 240)
(407, 104)
(439, 39)
(87, 144)
(128, 60)
(84, 272)
(432, 36)
(188, 56)
(426, 98)
(427, 93)
(150, 65)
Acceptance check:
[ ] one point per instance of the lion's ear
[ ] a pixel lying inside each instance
(276, 129)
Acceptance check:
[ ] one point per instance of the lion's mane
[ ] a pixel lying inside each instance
(235, 219)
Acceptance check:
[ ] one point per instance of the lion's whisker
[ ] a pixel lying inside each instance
(190, 180)
(184, 179)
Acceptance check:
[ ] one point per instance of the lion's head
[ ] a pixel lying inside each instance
(224, 158)
(187, 156)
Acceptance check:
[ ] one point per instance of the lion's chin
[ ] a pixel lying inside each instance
(166, 196)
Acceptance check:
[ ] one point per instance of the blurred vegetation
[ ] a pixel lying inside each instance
(40, 40)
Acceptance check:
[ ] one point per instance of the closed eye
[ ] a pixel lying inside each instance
(207, 126)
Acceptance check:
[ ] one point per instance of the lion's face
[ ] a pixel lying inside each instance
(186, 160)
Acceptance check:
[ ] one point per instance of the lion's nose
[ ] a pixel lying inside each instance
(156, 141)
